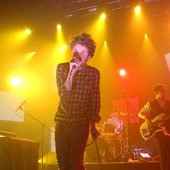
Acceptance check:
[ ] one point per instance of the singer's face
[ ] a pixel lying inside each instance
(83, 53)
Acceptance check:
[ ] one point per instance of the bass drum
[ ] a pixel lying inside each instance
(91, 152)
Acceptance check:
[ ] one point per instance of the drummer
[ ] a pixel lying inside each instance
(113, 125)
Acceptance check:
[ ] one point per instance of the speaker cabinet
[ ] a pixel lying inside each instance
(18, 153)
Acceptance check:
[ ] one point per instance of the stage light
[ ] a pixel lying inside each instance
(63, 47)
(60, 38)
(16, 81)
(105, 42)
(29, 56)
(27, 31)
(103, 16)
(33, 53)
(122, 72)
(98, 28)
(59, 27)
(22, 35)
(137, 9)
(146, 35)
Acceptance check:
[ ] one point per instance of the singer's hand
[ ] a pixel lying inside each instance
(74, 66)
(94, 132)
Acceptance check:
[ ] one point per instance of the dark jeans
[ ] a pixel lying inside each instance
(163, 146)
(70, 146)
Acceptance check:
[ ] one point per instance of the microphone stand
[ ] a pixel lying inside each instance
(127, 128)
(42, 134)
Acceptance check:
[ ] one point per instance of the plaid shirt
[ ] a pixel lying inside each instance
(81, 104)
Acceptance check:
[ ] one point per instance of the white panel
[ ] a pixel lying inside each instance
(9, 104)
(167, 58)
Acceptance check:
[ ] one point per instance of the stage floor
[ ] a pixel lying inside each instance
(134, 165)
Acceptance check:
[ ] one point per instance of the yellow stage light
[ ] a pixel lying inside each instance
(33, 53)
(103, 16)
(98, 28)
(105, 42)
(21, 35)
(146, 35)
(137, 9)
(27, 31)
(16, 81)
(29, 56)
(60, 39)
(63, 47)
(59, 27)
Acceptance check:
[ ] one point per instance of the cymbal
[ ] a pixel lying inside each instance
(118, 113)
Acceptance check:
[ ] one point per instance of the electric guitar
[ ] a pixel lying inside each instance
(148, 131)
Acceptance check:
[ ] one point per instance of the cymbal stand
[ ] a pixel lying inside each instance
(127, 126)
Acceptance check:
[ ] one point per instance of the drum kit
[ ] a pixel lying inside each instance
(114, 131)
(113, 141)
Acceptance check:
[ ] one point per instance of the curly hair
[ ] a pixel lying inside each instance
(158, 87)
(85, 40)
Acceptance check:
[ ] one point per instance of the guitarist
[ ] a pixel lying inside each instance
(152, 109)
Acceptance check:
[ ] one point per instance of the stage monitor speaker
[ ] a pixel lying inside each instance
(18, 154)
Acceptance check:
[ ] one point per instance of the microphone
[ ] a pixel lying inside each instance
(20, 106)
(74, 66)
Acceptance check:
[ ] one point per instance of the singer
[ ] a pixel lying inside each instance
(78, 110)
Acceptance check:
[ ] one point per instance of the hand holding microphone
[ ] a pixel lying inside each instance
(75, 62)
(94, 133)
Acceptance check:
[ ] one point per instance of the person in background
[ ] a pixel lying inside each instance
(79, 105)
(160, 105)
